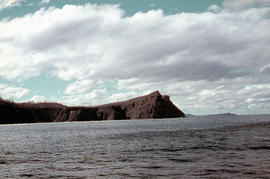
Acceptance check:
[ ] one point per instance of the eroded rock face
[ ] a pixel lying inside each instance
(83, 114)
(153, 106)
(150, 106)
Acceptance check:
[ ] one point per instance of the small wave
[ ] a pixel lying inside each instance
(171, 149)
(152, 167)
(262, 147)
(8, 153)
(66, 177)
(125, 159)
(192, 148)
(3, 162)
(218, 171)
(250, 173)
(181, 160)
(26, 175)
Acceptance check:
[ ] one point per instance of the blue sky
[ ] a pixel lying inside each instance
(210, 56)
(130, 7)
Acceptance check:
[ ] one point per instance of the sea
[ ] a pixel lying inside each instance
(216, 146)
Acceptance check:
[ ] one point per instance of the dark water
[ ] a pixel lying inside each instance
(195, 147)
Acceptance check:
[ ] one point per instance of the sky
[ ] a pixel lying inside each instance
(209, 56)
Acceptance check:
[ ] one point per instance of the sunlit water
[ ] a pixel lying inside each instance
(194, 147)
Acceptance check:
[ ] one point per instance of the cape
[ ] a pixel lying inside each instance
(151, 106)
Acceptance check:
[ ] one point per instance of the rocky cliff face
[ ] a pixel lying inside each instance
(152, 106)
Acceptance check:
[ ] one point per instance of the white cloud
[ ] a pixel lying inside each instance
(122, 96)
(187, 55)
(204, 97)
(259, 91)
(9, 3)
(99, 43)
(11, 92)
(79, 87)
(242, 4)
(214, 8)
(45, 1)
(94, 97)
(38, 98)
(266, 69)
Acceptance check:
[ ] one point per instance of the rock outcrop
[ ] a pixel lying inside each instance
(150, 106)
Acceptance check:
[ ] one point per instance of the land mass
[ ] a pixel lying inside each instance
(150, 106)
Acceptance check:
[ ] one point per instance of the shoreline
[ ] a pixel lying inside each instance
(151, 106)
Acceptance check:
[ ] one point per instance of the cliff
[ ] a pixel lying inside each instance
(150, 106)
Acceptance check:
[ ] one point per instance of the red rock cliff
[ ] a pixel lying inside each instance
(149, 106)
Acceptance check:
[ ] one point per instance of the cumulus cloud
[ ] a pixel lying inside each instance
(45, 1)
(122, 96)
(186, 55)
(9, 3)
(199, 97)
(11, 92)
(100, 43)
(266, 69)
(214, 8)
(38, 98)
(79, 87)
(242, 4)
(258, 96)
(94, 97)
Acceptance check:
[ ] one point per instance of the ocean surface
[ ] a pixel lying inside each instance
(219, 146)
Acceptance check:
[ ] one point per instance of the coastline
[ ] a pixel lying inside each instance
(151, 106)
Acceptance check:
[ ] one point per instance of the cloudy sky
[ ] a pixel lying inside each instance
(210, 56)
